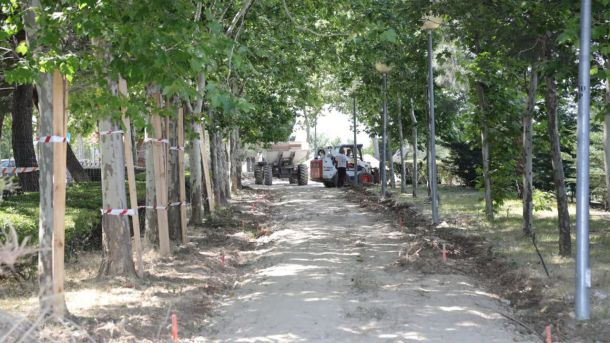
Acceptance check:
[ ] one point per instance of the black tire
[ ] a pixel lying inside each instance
(268, 174)
(332, 182)
(303, 174)
(258, 174)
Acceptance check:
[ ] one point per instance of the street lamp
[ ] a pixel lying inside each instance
(583, 271)
(355, 85)
(431, 23)
(384, 69)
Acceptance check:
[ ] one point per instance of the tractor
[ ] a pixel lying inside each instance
(283, 161)
(323, 167)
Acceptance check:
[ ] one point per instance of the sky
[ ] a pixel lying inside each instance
(331, 124)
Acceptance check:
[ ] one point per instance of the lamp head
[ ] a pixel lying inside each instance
(382, 68)
(431, 22)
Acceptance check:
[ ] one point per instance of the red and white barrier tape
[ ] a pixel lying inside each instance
(156, 140)
(120, 212)
(134, 211)
(110, 132)
(18, 170)
(177, 148)
(51, 139)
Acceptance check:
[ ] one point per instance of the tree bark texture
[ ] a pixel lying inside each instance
(489, 210)
(390, 159)
(216, 158)
(196, 179)
(235, 160)
(151, 228)
(607, 136)
(46, 218)
(116, 237)
(528, 188)
(226, 169)
(415, 167)
(23, 146)
(550, 98)
(173, 212)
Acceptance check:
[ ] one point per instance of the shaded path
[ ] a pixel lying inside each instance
(331, 277)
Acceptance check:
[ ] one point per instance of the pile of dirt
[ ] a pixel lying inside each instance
(473, 256)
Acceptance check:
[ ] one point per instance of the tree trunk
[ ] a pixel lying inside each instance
(216, 159)
(23, 146)
(607, 135)
(235, 160)
(116, 238)
(226, 169)
(390, 159)
(173, 212)
(196, 179)
(550, 99)
(151, 228)
(414, 143)
(376, 148)
(528, 187)
(489, 209)
(75, 168)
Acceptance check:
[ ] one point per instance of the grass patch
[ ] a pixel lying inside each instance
(465, 208)
(83, 218)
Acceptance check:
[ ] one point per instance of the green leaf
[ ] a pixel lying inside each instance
(389, 36)
(22, 48)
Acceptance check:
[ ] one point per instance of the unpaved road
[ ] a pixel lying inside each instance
(331, 276)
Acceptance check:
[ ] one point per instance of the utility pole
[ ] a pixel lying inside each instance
(355, 149)
(583, 271)
(384, 138)
(432, 140)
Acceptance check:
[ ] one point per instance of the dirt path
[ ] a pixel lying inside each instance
(331, 276)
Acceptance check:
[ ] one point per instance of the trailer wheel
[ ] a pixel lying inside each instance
(303, 174)
(268, 174)
(258, 174)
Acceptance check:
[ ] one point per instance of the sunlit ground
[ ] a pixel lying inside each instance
(464, 208)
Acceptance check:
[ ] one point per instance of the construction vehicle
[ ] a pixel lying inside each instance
(323, 167)
(283, 161)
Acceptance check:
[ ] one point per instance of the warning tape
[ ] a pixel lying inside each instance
(120, 212)
(110, 132)
(134, 211)
(178, 148)
(156, 140)
(18, 170)
(52, 139)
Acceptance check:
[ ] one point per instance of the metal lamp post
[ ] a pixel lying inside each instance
(583, 272)
(384, 69)
(431, 23)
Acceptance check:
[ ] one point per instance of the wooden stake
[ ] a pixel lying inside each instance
(60, 121)
(131, 180)
(206, 169)
(160, 182)
(180, 134)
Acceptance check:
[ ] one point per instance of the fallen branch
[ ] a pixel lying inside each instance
(540, 255)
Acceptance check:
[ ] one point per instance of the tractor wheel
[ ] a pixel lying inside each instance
(303, 174)
(258, 174)
(268, 174)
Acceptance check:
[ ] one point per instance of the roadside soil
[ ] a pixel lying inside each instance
(139, 310)
(338, 271)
